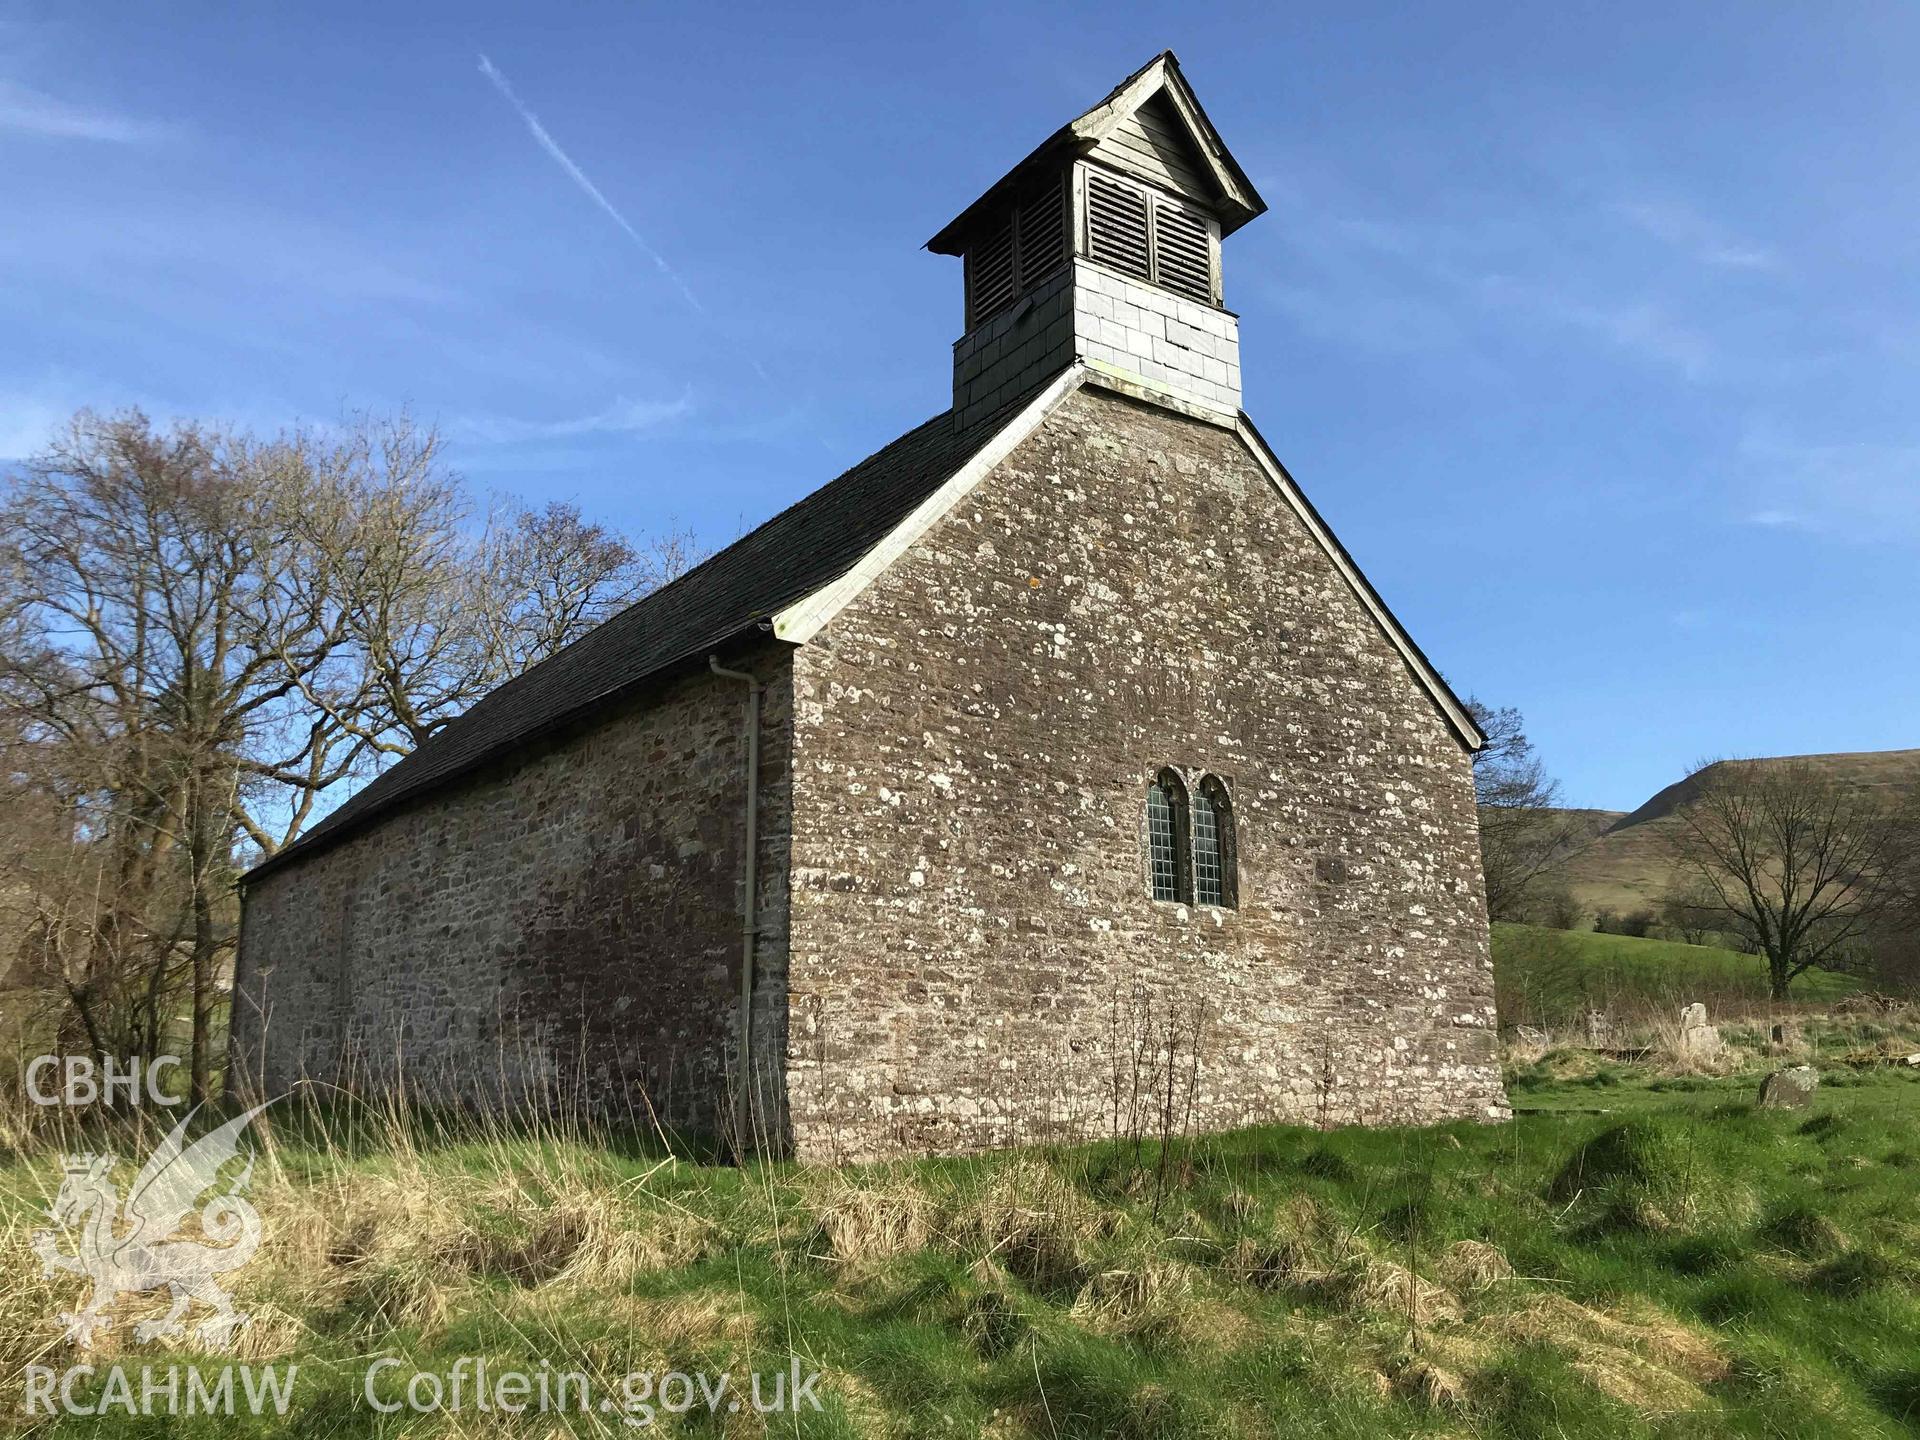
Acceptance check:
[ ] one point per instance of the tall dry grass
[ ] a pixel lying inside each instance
(389, 1217)
(376, 1214)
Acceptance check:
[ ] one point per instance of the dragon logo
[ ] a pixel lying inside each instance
(135, 1252)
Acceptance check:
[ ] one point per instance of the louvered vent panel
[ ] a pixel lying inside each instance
(990, 273)
(1043, 233)
(1117, 226)
(1185, 265)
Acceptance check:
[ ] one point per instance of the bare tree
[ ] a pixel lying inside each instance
(1804, 868)
(390, 537)
(86, 893)
(203, 634)
(433, 615)
(1895, 945)
(1521, 834)
(172, 616)
(1690, 912)
(552, 576)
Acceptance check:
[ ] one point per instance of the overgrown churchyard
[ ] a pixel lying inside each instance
(1055, 746)
(1024, 943)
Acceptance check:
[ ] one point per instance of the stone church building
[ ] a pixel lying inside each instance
(1052, 772)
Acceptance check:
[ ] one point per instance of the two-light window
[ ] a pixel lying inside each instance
(1190, 841)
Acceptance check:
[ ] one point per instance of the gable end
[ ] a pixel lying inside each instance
(799, 622)
(1154, 144)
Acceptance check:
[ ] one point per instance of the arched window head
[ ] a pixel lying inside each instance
(1213, 857)
(1169, 873)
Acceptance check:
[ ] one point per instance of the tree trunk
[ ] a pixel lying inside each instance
(205, 943)
(200, 1082)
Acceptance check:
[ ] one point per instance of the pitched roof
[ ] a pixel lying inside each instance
(801, 621)
(804, 547)
(1236, 203)
(795, 573)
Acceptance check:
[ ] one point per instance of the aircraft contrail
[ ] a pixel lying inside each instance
(579, 177)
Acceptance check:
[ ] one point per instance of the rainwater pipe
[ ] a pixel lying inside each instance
(749, 911)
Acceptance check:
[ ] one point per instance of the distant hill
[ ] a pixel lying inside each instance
(1588, 825)
(1626, 864)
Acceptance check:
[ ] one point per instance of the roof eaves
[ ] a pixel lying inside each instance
(324, 837)
(952, 235)
(1241, 202)
(802, 557)
(1449, 704)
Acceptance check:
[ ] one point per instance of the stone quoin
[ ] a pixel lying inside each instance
(960, 668)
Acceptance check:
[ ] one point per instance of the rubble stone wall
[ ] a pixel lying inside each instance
(975, 957)
(564, 928)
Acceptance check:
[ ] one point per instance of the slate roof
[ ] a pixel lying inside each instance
(804, 547)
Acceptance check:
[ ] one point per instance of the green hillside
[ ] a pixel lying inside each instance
(1548, 977)
(1627, 866)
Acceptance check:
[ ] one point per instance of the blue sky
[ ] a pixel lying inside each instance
(1594, 330)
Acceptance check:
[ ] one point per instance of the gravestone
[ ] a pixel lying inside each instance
(1697, 1036)
(1789, 1089)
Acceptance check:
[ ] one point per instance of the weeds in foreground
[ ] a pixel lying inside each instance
(1681, 1262)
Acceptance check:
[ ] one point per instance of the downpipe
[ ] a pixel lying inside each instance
(749, 912)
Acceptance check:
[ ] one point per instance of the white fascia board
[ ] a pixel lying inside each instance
(799, 622)
(1443, 697)
(1098, 122)
(802, 620)
(1103, 120)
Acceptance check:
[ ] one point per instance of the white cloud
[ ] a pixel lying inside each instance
(32, 113)
(31, 415)
(1641, 327)
(1684, 228)
(1370, 318)
(1416, 285)
(1853, 490)
(214, 255)
(34, 408)
(622, 417)
(594, 193)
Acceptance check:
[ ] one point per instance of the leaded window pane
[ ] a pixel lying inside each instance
(1161, 851)
(1208, 887)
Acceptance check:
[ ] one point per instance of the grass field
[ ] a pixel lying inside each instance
(1638, 1253)
(1548, 978)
